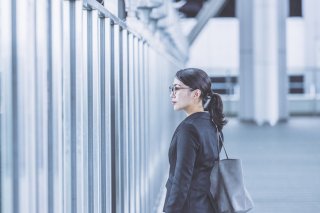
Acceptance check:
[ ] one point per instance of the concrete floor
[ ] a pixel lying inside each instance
(281, 164)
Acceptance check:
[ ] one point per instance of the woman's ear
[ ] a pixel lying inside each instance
(197, 93)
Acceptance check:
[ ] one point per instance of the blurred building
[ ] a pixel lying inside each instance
(237, 30)
(84, 105)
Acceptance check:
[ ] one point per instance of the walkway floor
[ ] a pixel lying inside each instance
(281, 164)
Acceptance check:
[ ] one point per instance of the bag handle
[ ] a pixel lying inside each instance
(219, 138)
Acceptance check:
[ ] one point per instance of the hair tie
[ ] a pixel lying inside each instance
(209, 97)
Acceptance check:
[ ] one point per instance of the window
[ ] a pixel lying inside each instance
(224, 85)
(296, 84)
(295, 8)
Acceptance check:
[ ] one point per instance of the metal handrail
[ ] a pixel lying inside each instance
(175, 55)
(103, 12)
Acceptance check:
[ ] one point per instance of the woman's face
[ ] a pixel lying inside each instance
(181, 95)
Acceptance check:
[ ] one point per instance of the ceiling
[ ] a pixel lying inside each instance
(190, 8)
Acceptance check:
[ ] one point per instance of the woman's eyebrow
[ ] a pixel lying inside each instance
(177, 85)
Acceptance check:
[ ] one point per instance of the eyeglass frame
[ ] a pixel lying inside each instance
(173, 89)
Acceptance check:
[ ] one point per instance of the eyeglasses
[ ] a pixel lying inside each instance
(174, 89)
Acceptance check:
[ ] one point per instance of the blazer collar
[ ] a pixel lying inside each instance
(204, 114)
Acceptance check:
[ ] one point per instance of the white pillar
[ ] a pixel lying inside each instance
(263, 79)
(311, 16)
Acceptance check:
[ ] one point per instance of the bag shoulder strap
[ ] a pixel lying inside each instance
(219, 138)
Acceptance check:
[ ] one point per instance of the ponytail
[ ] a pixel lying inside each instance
(214, 106)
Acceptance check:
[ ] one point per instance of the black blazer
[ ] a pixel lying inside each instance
(192, 153)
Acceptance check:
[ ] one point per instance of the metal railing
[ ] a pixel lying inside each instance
(86, 120)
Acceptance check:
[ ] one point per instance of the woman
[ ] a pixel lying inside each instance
(193, 148)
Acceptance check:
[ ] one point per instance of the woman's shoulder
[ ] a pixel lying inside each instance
(194, 123)
(191, 125)
(187, 127)
(198, 119)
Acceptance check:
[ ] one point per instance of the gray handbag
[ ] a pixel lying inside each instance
(227, 186)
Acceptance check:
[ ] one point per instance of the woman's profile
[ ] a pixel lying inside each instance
(193, 148)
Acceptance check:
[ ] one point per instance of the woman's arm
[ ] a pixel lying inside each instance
(187, 147)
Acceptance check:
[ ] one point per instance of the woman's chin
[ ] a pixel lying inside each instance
(176, 108)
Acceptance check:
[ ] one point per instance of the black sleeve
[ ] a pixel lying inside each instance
(187, 147)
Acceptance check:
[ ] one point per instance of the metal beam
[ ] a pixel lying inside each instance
(210, 8)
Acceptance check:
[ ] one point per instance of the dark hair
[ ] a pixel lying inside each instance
(199, 79)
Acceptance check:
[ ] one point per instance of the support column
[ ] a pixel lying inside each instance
(263, 78)
(311, 16)
(312, 48)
